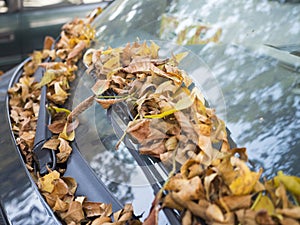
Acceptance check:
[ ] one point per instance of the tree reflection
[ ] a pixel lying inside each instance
(262, 109)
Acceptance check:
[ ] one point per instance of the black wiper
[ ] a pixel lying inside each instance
(88, 183)
(155, 172)
(45, 158)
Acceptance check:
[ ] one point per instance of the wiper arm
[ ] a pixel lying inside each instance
(154, 170)
(88, 184)
(45, 158)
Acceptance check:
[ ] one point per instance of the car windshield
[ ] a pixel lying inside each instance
(249, 52)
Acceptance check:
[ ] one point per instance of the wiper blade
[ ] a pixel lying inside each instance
(45, 159)
(88, 183)
(156, 174)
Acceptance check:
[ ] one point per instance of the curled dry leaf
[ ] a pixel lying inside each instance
(52, 144)
(74, 214)
(46, 182)
(93, 209)
(64, 150)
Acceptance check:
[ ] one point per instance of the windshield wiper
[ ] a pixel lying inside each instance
(45, 158)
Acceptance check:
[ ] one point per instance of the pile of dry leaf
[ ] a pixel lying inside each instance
(171, 123)
(60, 70)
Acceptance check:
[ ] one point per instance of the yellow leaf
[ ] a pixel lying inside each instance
(176, 59)
(291, 183)
(67, 136)
(263, 202)
(58, 110)
(46, 182)
(59, 91)
(161, 115)
(246, 180)
(154, 49)
(244, 184)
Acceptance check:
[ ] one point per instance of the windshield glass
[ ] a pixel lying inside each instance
(249, 51)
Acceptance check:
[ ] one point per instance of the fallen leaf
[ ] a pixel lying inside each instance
(100, 87)
(74, 213)
(293, 212)
(52, 144)
(245, 182)
(46, 183)
(263, 202)
(291, 183)
(213, 212)
(60, 206)
(236, 202)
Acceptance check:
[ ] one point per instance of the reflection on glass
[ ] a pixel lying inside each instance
(261, 103)
(262, 108)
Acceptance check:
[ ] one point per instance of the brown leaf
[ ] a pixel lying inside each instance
(77, 50)
(191, 168)
(186, 189)
(124, 214)
(57, 126)
(197, 209)
(71, 183)
(64, 150)
(187, 218)
(60, 188)
(171, 143)
(213, 212)
(48, 42)
(80, 108)
(186, 126)
(290, 212)
(177, 79)
(152, 218)
(100, 86)
(236, 202)
(60, 206)
(288, 221)
(52, 144)
(246, 216)
(92, 209)
(106, 103)
(74, 213)
(102, 221)
(263, 218)
(138, 66)
(169, 202)
(28, 137)
(139, 129)
(154, 149)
